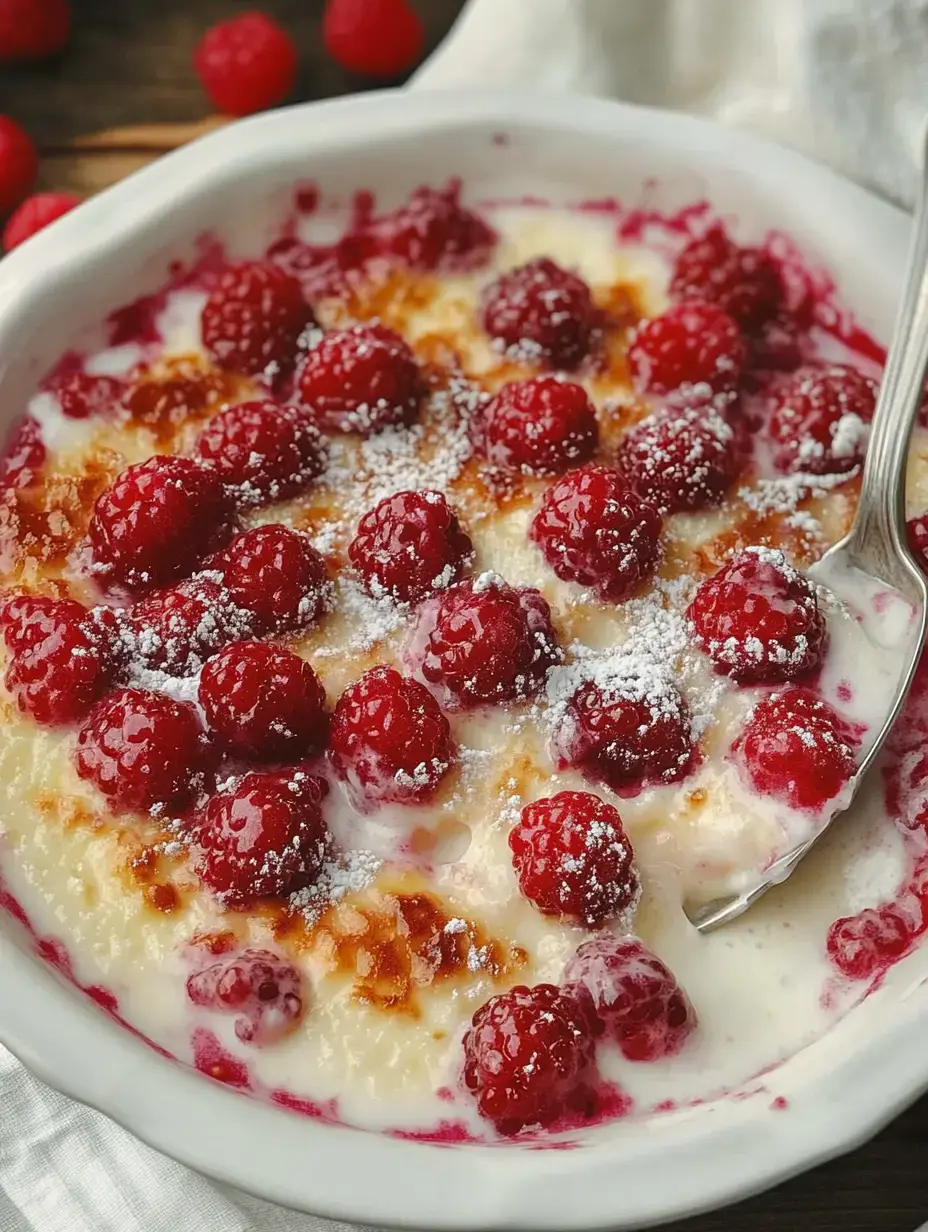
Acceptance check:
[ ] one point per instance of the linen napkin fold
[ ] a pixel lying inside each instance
(843, 80)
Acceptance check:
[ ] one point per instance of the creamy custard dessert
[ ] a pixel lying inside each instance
(400, 631)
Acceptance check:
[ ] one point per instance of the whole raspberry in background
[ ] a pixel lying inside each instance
(636, 997)
(529, 1057)
(276, 576)
(390, 743)
(264, 703)
(253, 319)
(484, 642)
(377, 38)
(176, 631)
(434, 231)
(19, 161)
(758, 619)
(246, 64)
(83, 395)
(35, 213)
(593, 530)
(33, 29)
(541, 312)
(573, 859)
(819, 419)
(263, 990)
(742, 281)
(540, 427)
(264, 451)
(679, 460)
(410, 545)
(691, 344)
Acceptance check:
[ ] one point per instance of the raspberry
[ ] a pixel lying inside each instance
(275, 575)
(376, 38)
(540, 427)
(157, 520)
(819, 420)
(679, 460)
(390, 743)
(361, 379)
(246, 64)
(573, 859)
(35, 213)
(636, 997)
(177, 630)
(19, 162)
(592, 530)
(264, 451)
(742, 281)
(263, 702)
(691, 344)
(485, 642)
(758, 619)
(32, 30)
(23, 455)
(409, 545)
(627, 734)
(795, 747)
(83, 395)
(864, 945)
(262, 989)
(144, 751)
(540, 311)
(529, 1057)
(253, 319)
(433, 231)
(59, 663)
(266, 838)
(917, 531)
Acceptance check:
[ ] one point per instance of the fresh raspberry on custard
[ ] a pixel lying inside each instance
(864, 945)
(679, 459)
(263, 451)
(484, 642)
(743, 281)
(410, 545)
(275, 575)
(144, 751)
(265, 838)
(361, 379)
(32, 30)
(542, 312)
(917, 532)
(758, 619)
(594, 531)
(540, 427)
(177, 630)
(263, 703)
(35, 214)
(433, 231)
(157, 521)
(23, 455)
(691, 344)
(573, 859)
(246, 63)
(795, 747)
(19, 162)
(636, 997)
(819, 419)
(627, 734)
(263, 990)
(390, 742)
(84, 396)
(529, 1057)
(253, 319)
(376, 38)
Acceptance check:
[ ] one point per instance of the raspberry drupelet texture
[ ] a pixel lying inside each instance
(33, 30)
(262, 451)
(377, 38)
(540, 312)
(177, 630)
(254, 318)
(263, 703)
(819, 420)
(542, 426)
(157, 521)
(265, 838)
(742, 281)
(84, 396)
(484, 642)
(758, 619)
(361, 379)
(410, 545)
(246, 64)
(636, 997)
(276, 576)
(529, 1057)
(434, 231)
(692, 344)
(573, 859)
(263, 990)
(19, 161)
(23, 455)
(594, 531)
(144, 751)
(862, 946)
(35, 214)
(390, 742)
(679, 460)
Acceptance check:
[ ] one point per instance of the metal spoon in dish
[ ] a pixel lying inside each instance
(875, 552)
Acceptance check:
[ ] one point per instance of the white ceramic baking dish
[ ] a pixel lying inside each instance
(625, 1175)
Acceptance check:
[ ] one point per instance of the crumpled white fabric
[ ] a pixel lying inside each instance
(843, 80)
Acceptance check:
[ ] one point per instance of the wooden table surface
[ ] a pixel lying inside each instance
(126, 81)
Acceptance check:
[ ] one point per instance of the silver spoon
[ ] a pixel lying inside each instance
(876, 545)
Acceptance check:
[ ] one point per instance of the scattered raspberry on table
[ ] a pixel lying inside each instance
(246, 64)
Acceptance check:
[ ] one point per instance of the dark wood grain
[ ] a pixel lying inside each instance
(129, 64)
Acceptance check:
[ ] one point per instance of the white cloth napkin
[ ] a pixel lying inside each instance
(842, 79)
